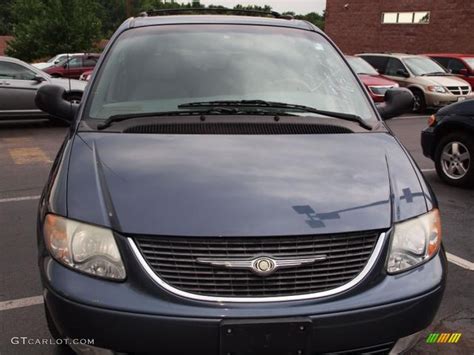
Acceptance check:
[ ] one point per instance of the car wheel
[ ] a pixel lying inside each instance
(454, 159)
(51, 326)
(74, 98)
(419, 105)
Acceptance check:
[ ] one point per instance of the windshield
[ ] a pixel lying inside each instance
(156, 69)
(423, 66)
(360, 66)
(470, 62)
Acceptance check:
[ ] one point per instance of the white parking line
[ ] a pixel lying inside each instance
(460, 262)
(22, 302)
(15, 199)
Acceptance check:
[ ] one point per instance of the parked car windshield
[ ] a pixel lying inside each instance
(156, 69)
(470, 62)
(360, 66)
(423, 66)
(51, 60)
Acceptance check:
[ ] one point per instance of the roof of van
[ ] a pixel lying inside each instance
(221, 19)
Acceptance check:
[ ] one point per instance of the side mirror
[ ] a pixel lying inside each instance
(38, 78)
(397, 101)
(464, 72)
(403, 72)
(50, 99)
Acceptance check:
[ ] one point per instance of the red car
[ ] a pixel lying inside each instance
(375, 83)
(462, 65)
(86, 76)
(74, 66)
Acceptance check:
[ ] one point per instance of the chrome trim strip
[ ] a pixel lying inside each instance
(370, 263)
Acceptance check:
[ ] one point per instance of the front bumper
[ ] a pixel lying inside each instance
(138, 316)
(438, 100)
(428, 138)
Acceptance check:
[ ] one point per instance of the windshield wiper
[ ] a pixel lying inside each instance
(278, 105)
(435, 73)
(210, 110)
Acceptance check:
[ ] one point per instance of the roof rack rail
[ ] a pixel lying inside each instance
(213, 10)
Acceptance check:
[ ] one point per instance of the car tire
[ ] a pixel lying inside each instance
(51, 326)
(74, 98)
(419, 105)
(454, 159)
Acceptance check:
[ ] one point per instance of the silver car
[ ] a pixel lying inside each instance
(19, 82)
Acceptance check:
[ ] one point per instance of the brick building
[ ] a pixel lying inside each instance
(408, 26)
(3, 43)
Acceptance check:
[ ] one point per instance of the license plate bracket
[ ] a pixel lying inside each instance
(285, 336)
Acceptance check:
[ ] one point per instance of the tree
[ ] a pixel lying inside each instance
(112, 13)
(313, 17)
(5, 17)
(53, 26)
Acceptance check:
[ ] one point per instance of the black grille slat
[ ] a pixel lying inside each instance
(374, 349)
(174, 260)
(251, 251)
(181, 260)
(458, 90)
(237, 128)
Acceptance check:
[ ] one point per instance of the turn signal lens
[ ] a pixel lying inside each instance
(431, 120)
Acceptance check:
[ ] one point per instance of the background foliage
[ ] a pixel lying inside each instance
(43, 28)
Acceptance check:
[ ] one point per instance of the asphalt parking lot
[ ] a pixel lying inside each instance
(27, 150)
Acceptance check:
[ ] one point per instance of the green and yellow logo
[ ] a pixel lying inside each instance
(438, 338)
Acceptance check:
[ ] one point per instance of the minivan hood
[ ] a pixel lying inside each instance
(444, 80)
(241, 185)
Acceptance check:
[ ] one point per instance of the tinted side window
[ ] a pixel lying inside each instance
(442, 61)
(90, 61)
(14, 71)
(455, 65)
(394, 66)
(379, 63)
(75, 62)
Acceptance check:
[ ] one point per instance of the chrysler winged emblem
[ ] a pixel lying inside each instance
(262, 265)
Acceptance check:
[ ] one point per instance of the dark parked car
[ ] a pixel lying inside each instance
(228, 186)
(449, 141)
(19, 83)
(73, 67)
(373, 81)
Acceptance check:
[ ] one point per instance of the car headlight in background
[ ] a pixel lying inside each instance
(437, 88)
(84, 247)
(381, 90)
(414, 241)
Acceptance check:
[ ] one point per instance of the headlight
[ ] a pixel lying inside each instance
(414, 241)
(84, 247)
(437, 88)
(381, 90)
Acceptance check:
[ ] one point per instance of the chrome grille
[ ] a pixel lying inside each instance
(458, 90)
(174, 261)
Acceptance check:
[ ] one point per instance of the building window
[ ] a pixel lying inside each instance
(419, 17)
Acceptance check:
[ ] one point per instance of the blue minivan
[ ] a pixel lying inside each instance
(227, 186)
